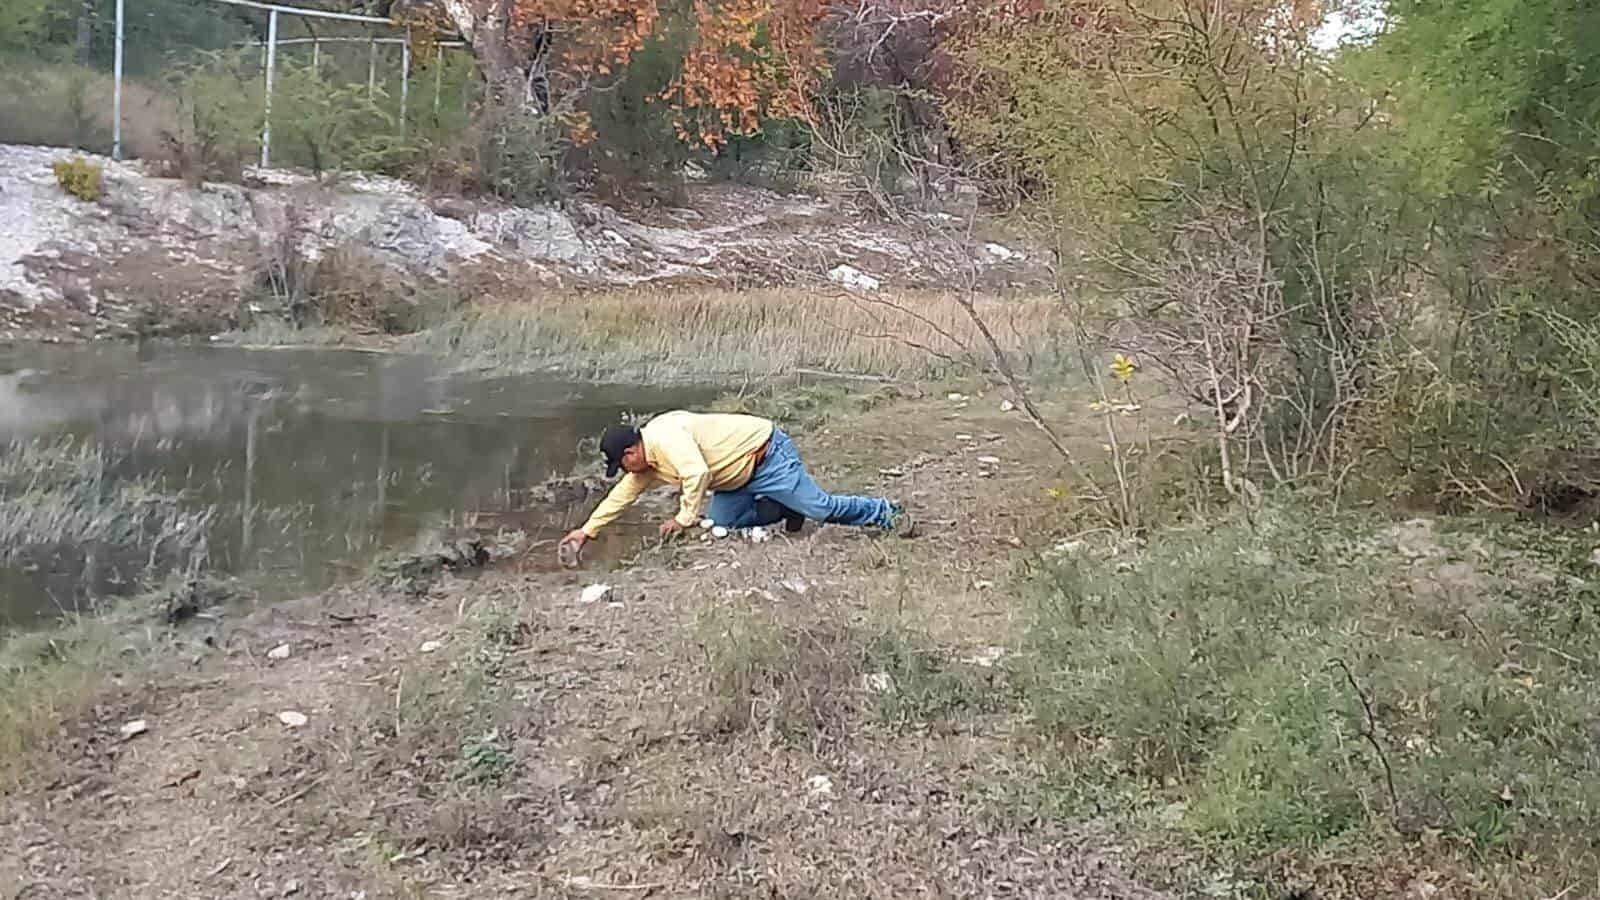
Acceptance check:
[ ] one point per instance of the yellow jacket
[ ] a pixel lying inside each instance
(699, 452)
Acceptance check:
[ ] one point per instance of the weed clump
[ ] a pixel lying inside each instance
(79, 178)
(812, 681)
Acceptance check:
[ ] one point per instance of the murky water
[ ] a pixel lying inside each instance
(311, 461)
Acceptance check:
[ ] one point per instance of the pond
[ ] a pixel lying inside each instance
(292, 467)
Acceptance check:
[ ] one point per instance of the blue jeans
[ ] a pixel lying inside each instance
(781, 481)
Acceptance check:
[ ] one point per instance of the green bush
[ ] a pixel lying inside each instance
(327, 127)
(217, 129)
(636, 142)
(79, 177)
(1268, 680)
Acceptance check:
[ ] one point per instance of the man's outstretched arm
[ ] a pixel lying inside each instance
(619, 498)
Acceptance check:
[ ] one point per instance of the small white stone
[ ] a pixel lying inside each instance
(1007, 406)
(133, 729)
(852, 277)
(706, 523)
(430, 646)
(877, 682)
(986, 658)
(718, 531)
(989, 460)
(796, 586)
(963, 437)
(595, 593)
(279, 652)
(956, 397)
(759, 535)
(820, 786)
(293, 719)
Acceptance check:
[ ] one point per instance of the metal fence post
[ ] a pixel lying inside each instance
(372, 67)
(405, 79)
(272, 57)
(438, 82)
(316, 56)
(116, 93)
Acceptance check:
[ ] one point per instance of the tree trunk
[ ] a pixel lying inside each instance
(85, 39)
(512, 62)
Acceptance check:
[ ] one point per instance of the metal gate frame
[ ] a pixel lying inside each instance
(270, 46)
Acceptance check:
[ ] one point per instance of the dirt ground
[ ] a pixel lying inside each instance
(813, 716)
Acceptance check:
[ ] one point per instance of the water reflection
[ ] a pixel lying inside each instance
(312, 460)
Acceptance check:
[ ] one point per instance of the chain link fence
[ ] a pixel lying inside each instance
(202, 85)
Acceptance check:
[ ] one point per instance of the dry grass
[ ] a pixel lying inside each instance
(686, 335)
(56, 105)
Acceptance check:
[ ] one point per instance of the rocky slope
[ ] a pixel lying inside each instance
(158, 250)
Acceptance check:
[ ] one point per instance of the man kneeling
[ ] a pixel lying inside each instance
(747, 464)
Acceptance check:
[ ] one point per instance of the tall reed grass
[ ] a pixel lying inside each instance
(63, 490)
(681, 336)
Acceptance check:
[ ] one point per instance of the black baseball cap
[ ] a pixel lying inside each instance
(616, 440)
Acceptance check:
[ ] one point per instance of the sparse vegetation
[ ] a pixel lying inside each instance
(49, 677)
(1313, 690)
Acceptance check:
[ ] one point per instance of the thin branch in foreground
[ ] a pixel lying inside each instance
(1370, 733)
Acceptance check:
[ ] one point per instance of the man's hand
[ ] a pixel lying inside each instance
(567, 552)
(670, 527)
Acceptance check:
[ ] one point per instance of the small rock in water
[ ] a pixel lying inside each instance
(820, 785)
(595, 593)
(293, 719)
(430, 646)
(956, 397)
(279, 652)
(133, 729)
(1007, 406)
(989, 460)
(963, 437)
(717, 531)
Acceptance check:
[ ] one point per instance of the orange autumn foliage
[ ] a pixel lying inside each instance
(749, 58)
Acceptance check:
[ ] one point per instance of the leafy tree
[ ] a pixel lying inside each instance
(544, 56)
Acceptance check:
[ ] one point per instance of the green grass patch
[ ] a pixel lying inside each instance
(1299, 689)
